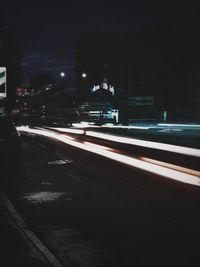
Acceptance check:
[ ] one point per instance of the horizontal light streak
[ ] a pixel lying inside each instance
(137, 163)
(42, 132)
(36, 131)
(67, 130)
(150, 144)
(179, 125)
(172, 166)
(133, 141)
(125, 127)
(84, 125)
(88, 125)
(97, 146)
(108, 125)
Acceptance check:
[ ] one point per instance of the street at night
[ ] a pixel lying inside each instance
(89, 210)
(99, 133)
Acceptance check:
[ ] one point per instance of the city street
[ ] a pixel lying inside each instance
(92, 211)
(99, 134)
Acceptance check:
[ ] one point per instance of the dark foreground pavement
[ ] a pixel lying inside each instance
(15, 247)
(107, 215)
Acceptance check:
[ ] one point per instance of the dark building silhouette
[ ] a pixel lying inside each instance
(10, 59)
(40, 80)
(162, 61)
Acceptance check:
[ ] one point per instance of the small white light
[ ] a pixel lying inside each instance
(62, 74)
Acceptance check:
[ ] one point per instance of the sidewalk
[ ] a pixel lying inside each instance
(16, 249)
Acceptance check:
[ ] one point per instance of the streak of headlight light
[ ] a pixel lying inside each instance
(172, 166)
(159, 170)
(125, 127)
(181, 125)
(97, 146)
(84, 125)
(154, 145)
(42, 132)
(67, 130)
(36, 131)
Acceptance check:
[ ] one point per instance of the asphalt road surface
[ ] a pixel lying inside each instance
(91, 211)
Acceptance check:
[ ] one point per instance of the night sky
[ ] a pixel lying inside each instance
(47, 31)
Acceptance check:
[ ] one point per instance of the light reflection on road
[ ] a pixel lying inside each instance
(42, 197)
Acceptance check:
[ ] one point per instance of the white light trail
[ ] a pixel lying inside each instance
(67, 130)
(179, 125)
(172, 166)
(107, 125)
(84, 125)
(125, 127)
(150, 144)
(36, 131)
(97, 146)
(137, 163)
(133, 141)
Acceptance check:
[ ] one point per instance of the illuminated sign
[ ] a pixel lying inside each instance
(104, 86)
(2, 82)
(111, 89)
(95, 88)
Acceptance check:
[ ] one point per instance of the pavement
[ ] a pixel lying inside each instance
(17, 249)
(19, 246)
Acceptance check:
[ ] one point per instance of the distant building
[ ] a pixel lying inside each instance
(162, 62)
(10, 65)
(40, 80)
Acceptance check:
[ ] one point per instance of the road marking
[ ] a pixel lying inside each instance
(74, 177)
(58, 154)
(52, 260)
(57, 162)
(43, 197)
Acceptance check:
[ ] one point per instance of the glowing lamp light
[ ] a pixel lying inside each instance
(62, 74)
(84, 75)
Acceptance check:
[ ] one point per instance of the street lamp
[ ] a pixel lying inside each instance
(62, 74)
(84, 75)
